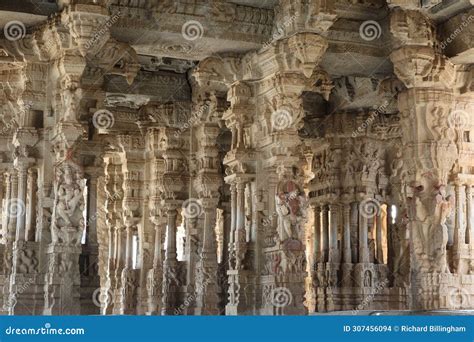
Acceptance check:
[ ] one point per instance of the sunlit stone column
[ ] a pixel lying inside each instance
(11, 211)
(459, 226)
(233, 223)
(31, 205)
(317, 234)
(325, 234)
(347, 234)
(333, 249)
(6, 203)
(469, 215)
(355, 231)
(378, 237)
(21, 202)
(206, 292)
(240, 234)
(170, 265)
(363, 243)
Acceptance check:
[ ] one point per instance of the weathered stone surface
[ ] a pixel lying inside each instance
(244, 157)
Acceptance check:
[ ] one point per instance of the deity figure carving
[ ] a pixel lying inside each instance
(71, 99)
(367, 279)
(433, 207)
(443, 209)
(291, 207)
(68, 211)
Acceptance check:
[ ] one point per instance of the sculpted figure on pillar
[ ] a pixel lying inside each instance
(291, 206)
(68, 211)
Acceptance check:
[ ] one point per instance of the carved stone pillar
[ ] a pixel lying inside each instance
(107, 305)
(355, 231)
(325, 234)
(333, 234)
(240, 241)
(239, 275)
(63, 277)
(430, 155)
(120, 263)
(12, 207)
(206, 284)
(5, 204)
(21, 202)
(469, 215)
(128, 278)
(317, 234)
(347, 255)
(155, 275)
(31, 205)
(459, 232)
(233, 224)
(347, 265)
(379, 237)
(25, 254)
(171, 280)
(8, 237)
(363, 237)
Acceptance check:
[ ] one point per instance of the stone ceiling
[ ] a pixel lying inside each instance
(154, 29)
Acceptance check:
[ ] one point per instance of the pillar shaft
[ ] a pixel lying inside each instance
(317, 234)
(347, 234)
(363, 238)
(325, 234)
(378, 237)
